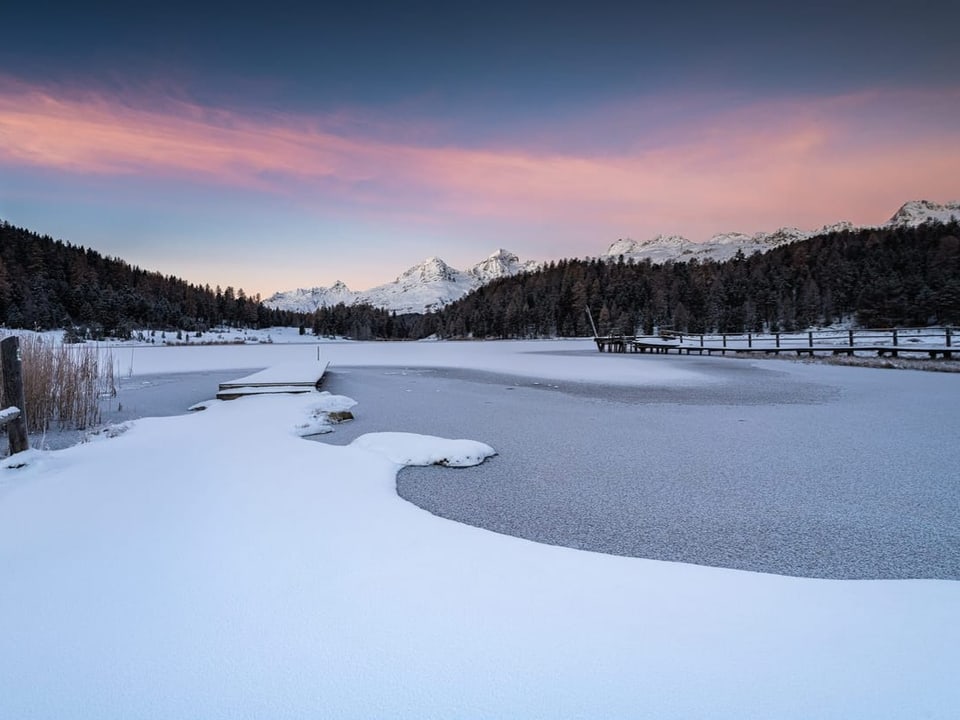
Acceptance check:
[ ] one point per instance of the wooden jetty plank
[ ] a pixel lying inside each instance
(284, 378)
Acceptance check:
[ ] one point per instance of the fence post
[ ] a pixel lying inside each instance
(777, 336)
(13, 393)
(850, 333)
(948, 337)
(749, 340)
(894, 336)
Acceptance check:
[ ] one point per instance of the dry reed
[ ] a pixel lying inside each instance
(63, 384)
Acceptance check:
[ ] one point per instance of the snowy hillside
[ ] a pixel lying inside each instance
(724, 246)
(427, 286)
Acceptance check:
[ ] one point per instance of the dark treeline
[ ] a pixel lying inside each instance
(365, 322)
(46, 283)
(881, 277)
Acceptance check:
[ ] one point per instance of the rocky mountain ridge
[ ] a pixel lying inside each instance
(427, 286)
(432, 284)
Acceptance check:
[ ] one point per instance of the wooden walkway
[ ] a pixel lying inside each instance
(287, 378)
(635, 344)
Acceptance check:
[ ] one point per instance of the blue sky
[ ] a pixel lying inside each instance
(293, 145)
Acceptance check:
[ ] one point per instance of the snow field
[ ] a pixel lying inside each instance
(218, 565)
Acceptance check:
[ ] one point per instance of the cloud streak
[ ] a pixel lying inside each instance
(803, 161)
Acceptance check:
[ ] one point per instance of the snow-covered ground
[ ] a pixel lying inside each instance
(219, 565)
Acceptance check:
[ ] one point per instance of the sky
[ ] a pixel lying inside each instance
(292, 145)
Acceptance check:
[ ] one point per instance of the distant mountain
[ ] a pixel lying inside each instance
(301, 300)
(724, 246)
(918, 212)
(430, 285)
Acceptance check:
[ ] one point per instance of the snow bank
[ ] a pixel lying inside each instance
(216, 565)
(406, 449)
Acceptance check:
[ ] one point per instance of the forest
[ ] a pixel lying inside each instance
(46, 284)
(874, 277)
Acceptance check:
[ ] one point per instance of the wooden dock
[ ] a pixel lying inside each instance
(893, 342)
(286, 378)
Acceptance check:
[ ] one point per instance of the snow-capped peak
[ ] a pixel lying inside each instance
(308, 300)
(432, 283)
(433, 269)
(502, 263)
(732, 238)
(429, 285)
(918, 212)
(630, 247)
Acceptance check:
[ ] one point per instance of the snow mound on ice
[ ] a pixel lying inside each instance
(412, 449)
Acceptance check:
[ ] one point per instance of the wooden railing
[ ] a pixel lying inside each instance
(930, 341)
(894, 337)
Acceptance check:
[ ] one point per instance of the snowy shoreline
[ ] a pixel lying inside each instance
(755, 468)
(217, 564)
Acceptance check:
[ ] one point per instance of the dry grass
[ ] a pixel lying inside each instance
(63, 384)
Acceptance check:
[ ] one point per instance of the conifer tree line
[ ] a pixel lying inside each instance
(876, 277)
(47, 284)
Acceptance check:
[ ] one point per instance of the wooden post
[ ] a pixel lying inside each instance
(948, 337)
(592, 325)
(749, 340)
(777, 336)
(13, 393)
(850, 334)
(810, 338)
(894, 336)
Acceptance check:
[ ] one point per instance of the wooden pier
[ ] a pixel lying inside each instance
(933, 343)
(286, 378)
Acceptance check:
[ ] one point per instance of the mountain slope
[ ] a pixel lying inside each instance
(429, 285)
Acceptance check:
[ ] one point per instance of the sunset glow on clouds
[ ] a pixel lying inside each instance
(356, 189)
(793, 166)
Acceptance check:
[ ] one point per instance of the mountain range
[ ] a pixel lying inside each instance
(427, 286)
(432, 284)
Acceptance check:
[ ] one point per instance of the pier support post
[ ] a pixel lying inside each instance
(13, 393)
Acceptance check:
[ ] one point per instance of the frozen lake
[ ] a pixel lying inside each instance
(775, 466)
(766, 465)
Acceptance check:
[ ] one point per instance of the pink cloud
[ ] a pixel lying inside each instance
(802, 161)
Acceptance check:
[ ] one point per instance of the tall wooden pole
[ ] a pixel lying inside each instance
(13, 392)
(590, 315)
